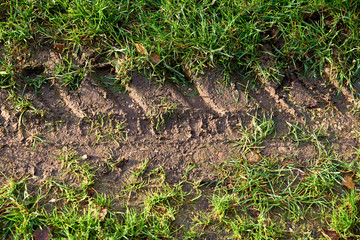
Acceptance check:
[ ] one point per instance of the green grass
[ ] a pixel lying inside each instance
(22, 107)
(160, 113)
(70, 74)
(310, 36)
(105, 127)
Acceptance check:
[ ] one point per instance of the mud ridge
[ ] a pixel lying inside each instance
(171, 125)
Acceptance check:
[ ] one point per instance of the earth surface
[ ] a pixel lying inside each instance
(183, 129)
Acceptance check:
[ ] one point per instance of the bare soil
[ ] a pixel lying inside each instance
(199, 129)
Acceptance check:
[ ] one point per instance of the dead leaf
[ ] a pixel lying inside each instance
(43, 234)
(348, 181)
(330, 234)
(253, 157)
(141, 49)
(59, 46)
(254, 213)
(155, 59)
(120, 66)
(101, 214)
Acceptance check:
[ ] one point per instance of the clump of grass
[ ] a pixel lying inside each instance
(18, 212)
(345, 215)
(136, 180)
(36, 138)
(70, 74)
(77, 165)
(308, 36)
(7, 76)
(258, 199)
(253, 136)
(106, 128)
(22, 106)
(161, 112)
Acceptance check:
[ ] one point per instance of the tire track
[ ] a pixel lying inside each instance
(195, 131)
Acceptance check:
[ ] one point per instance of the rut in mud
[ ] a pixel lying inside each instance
(169, 125)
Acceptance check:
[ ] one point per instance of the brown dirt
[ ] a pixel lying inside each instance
(195, 133)
(199, 131)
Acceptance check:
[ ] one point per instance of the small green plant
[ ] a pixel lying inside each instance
(162, 197)
(303, 134)
(19, 212)
(36, 138)
(161, 112)
(68, 157)
(7, 76)
(23, 105)
(253, 136)
(356, 107)
(269, 73)
(70, 74)
(72, 162)
(36, 82)
(105, 128)
(136, 180)
(345, 215)
(222, 203)
(110, 162)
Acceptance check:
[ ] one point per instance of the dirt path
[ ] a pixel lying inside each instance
(173, 126)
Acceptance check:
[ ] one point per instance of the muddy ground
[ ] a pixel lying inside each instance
(173, 126)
